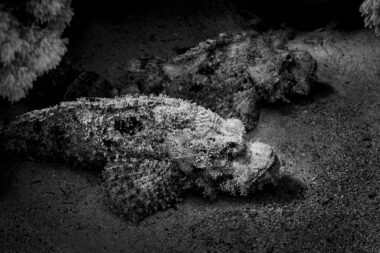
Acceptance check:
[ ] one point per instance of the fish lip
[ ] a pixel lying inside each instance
(255, 155)
(259, 156)
(258, 163)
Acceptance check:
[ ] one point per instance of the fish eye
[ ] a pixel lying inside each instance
(288, 58)
(232, 145)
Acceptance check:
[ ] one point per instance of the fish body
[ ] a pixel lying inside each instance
(230, 75)
(151, 149)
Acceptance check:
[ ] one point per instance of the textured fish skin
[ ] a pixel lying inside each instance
(230, 75)
(151, 149)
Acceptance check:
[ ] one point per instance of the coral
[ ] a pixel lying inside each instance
(30, 43)
(153, 149)
(370, 10)
(230, 75)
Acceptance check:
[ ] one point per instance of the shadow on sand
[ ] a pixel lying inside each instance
(287, 190)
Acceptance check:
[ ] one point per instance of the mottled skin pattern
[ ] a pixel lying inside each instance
(230, 75)
(151, 149)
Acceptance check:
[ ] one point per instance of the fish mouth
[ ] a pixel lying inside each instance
(255, 155)
(264, 165)
(262, 155)
(256, 168)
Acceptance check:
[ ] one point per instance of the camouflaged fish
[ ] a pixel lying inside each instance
(152, 149)
(230, 75)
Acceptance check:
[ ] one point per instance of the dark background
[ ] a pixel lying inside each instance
(302, 14)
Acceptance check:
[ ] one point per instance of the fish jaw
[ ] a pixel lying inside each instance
(255, 169)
